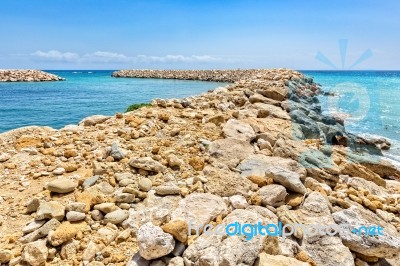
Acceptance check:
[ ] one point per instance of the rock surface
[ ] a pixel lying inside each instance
(115, 189)
(16, 75)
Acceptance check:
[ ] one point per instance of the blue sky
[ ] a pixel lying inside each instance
(99, 34)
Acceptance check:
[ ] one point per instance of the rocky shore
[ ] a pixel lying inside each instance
(122, 190)
(19, 75)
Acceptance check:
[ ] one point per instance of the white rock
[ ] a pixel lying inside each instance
(154, 242)
(35, 253)
(74, 216)
(238, 202)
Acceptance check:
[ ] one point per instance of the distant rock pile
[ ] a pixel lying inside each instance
(19, 75)
(204, 75)
(122, 190)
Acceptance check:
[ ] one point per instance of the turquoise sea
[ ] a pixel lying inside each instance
(370, 97)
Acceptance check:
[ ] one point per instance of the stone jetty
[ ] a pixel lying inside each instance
(136, 188)
(20, 75)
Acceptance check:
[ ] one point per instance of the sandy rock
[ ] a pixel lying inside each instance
(199, 209)
(147, 163)
(382, 246)
(145, 184)
(69, 250)
(51, 209)
(176, 261)
(178, 229)
(106, 207)
(278, 260)
(272, 195)
(90, 252)
(289, 179)
(116, 217)
(238, 202)
(62, 185)
(231, 184)
(153, 242)
(174, 161)
(233, 250)
(238, 130)
(35, 253)
(230, 151)
(167, 190)
(94, 120)
(74, 216)
(5, 256)
(65, 232)
(4, 157)
(91, 181)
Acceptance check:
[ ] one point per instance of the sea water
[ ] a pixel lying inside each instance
(370, 100)
(82, 94)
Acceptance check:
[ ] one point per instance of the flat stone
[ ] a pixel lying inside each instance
(41, 232)
(90, 181)
(32, 226)
(62, 185)
(48, 210)
(148, 164)
(238, 130)
(74, 216)
(106, 207)
(116, 217)
(289, 179)
(167, 190)
(272, 195)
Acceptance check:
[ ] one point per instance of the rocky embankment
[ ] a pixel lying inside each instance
(19, 75)
(123, 190)
(204, 75)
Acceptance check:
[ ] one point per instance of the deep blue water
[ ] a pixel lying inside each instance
(84, 93)
(371, 98)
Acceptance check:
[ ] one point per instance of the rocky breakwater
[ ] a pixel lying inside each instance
(204, 75)
(123, 190)
(19, 75)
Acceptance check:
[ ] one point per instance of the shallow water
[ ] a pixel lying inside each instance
(84, 93)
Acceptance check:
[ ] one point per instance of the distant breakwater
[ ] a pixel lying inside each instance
(26, 75)
(230, 76)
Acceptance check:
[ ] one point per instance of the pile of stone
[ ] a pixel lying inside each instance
(126, 190)
(18, 75)
(204, 75)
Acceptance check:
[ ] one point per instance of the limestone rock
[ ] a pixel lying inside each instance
(199, 209)
(153, 242)
(230, 151)
(278, 260)
(35, 253)
(381, 246)
(147, 163)
(116, 217)
(238, 130)
(272, 195)
(74, 216)
(94, 120)
(238, 202)
(62, 185)
(289, 179)
(51, 209)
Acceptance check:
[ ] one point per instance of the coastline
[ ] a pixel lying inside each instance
(205, 149)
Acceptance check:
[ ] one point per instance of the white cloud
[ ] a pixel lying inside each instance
(54, 55)
(111, 57)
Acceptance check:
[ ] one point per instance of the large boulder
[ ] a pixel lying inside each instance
(199, 209)
(238, 130)
(230, 151)
(218, 249)
(324, 249)
(386, 245)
